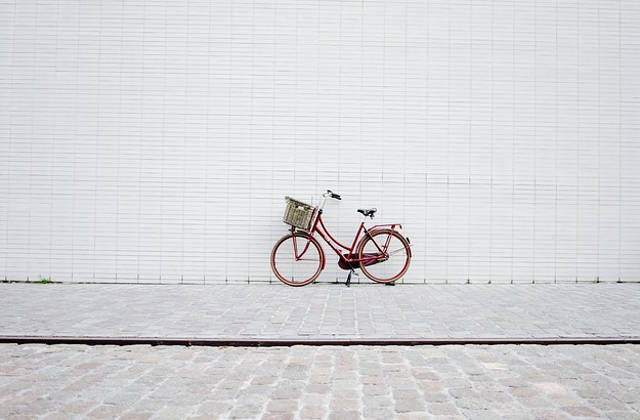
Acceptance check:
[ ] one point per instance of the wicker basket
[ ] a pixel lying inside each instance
(298, 213)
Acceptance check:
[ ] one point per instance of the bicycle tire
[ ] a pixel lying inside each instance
(276, 262)
(367, 270)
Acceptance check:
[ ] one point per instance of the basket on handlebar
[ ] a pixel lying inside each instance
(298, 213)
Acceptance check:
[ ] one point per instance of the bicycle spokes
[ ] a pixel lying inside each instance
(396, 251)
(391, 263)
(296, 260)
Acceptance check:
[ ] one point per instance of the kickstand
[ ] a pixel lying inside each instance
(348, 282)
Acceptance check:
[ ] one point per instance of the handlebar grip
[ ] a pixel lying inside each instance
(334, 195)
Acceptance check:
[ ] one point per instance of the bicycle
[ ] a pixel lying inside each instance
(297, 259)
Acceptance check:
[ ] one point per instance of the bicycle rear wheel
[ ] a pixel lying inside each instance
(301, 271)
(397, 262)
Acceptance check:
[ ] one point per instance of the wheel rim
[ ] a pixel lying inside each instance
(398, 257)
(292, 271)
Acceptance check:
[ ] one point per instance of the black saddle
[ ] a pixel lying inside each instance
(368, 212)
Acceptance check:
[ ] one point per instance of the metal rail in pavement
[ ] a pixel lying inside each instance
(272, 342)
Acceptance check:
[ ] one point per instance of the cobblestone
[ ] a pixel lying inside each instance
(483, 382)
(322, 311)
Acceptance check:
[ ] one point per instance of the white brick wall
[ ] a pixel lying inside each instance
(154, 140)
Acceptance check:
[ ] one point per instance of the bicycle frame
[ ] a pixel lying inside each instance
(319, 227)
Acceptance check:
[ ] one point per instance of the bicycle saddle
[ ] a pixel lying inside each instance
(368, 212)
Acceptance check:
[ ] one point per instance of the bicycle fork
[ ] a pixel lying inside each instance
(297, 256)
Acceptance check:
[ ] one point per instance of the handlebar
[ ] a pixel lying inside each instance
(333, 195)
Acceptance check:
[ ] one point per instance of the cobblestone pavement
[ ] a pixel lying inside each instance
(138, 382)
(321, 311)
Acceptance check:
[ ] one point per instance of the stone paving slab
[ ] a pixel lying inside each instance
(302, 382)
(320, 311)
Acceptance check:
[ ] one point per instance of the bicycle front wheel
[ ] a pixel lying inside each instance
(297, 271)
(398, 257)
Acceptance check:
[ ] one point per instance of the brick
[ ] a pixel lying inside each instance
(442, 409)
(409, 405)
(581, 411)
(344, 415)
(282, 406)
(313, 412)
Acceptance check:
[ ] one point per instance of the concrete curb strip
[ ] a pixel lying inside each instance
(273, 342)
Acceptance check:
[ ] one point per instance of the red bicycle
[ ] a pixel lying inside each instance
(297, 259)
